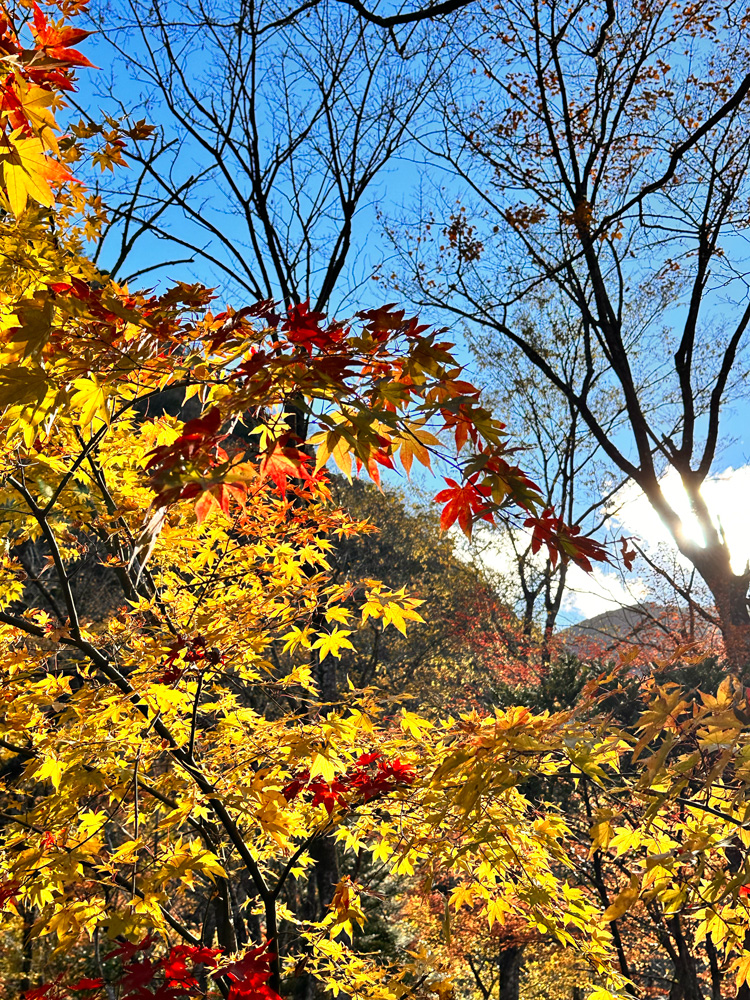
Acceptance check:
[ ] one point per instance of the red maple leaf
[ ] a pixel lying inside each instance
(304, 328)
(544, 530)
(257, 361)
(397, 771)
(250, 974)
(126, 949)
(180, 962)
(628, 554)
(376, 458)
(583, 550)
(196, 446)
(197, 435)
(199, 956)
(139, 973)
(232, 321)
(11, 104)
(295, 786)
(178, 970)
(560, 539)
(282, 464)
(464, 504)
(75, 287)
(54, 39)
(388, 776)
(329, 795)
(219, 496)
(383, 321)
(8, 892)
(47, 991)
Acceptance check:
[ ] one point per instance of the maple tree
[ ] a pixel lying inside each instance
(157, 773)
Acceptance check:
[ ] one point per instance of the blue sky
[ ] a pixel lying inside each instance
(392, 192)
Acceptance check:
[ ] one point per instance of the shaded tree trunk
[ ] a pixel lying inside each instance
(713, 961)
(323, 853)
(686, 984)
(729, 591)
(27, 947)
(510, 972)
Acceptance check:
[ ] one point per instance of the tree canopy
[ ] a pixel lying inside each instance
(203, 790)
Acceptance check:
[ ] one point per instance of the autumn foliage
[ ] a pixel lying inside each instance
(189, 806)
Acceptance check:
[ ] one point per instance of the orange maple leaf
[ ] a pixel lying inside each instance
(464, 504)
(54, 40)
(282, 464)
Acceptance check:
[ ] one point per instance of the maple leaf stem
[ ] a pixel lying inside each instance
(125, 573)
(194, 718)
(49, 535)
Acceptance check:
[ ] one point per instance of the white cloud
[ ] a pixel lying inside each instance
(589, 594)
(728, 497)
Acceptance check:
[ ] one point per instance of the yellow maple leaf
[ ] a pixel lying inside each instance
(323, 768)
(743, 969)
(91, 398)
(333, 643)
(414, 724)
(50, 769)
(624, 900)
(36, 102)
(25, 172)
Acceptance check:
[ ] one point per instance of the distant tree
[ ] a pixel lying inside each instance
(602, 155)
(562, 455)
(472, 647)
(271, 132)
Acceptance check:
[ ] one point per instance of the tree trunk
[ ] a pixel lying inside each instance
(323, 852)
(729, 591)
(713, 962)
(510, 972)
(712, 560)
(552, 603)
(685, 967)
(27, 946)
